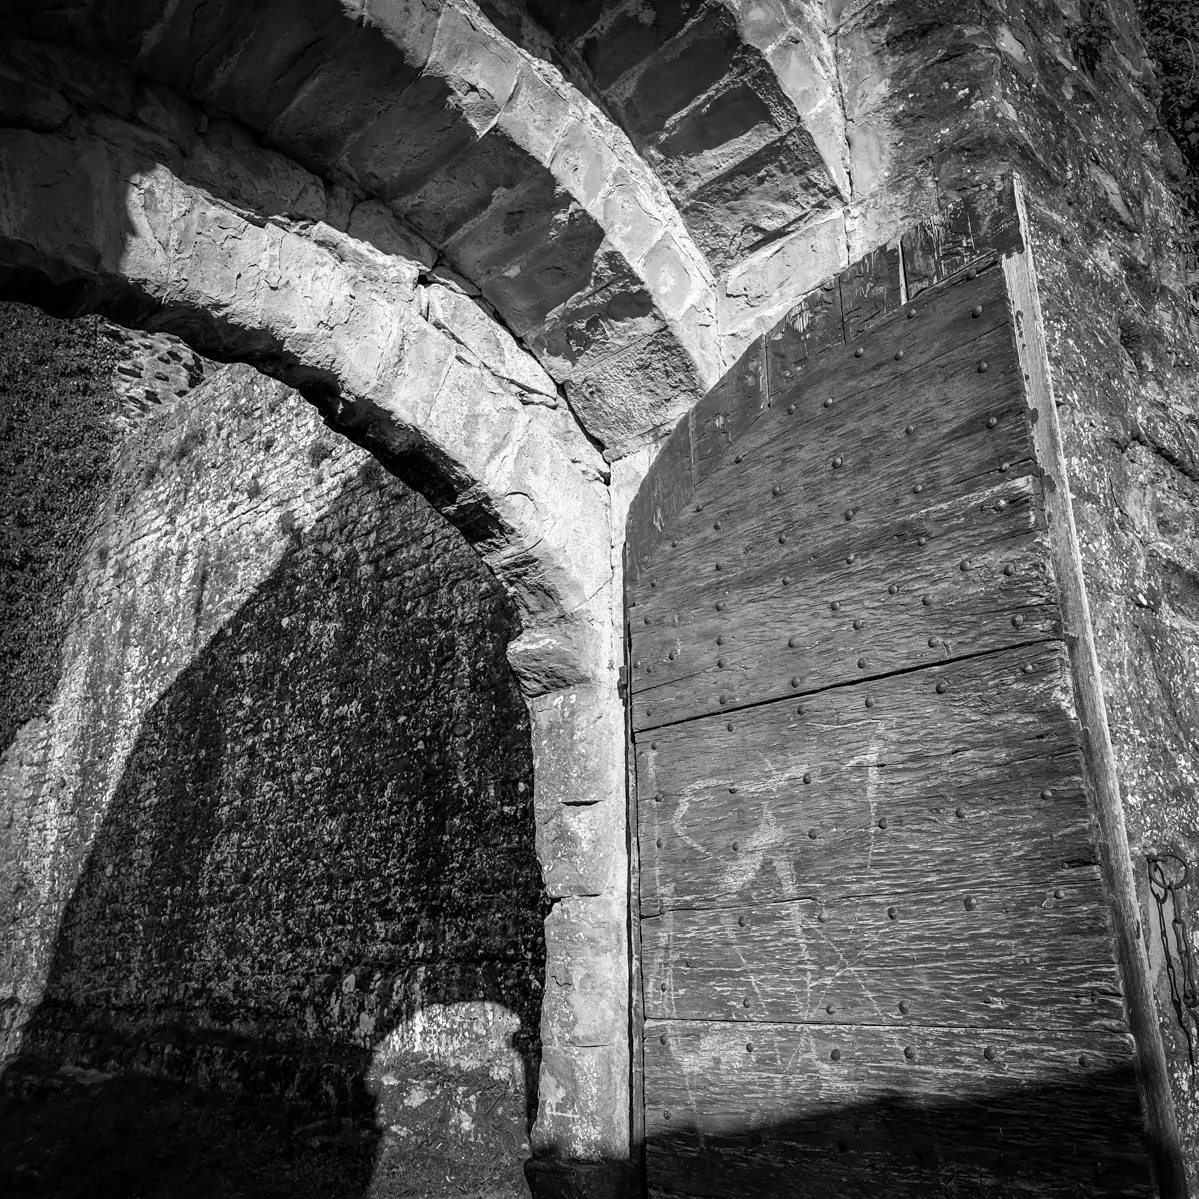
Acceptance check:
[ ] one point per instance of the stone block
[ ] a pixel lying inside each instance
(374, 222)
(25, 104)
(554, 1178)
(536, 113)
(462, 318)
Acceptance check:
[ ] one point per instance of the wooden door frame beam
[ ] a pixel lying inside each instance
(1099, 759)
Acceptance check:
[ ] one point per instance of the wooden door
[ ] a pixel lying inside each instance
(874, 937)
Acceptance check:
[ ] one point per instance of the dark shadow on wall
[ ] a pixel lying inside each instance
(1059, 1138)
(324, 830)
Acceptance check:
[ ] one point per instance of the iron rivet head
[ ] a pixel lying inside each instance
(972, 273)
(835, 1055)
(893, 589)
(720, 639)
(699, 507)
(786, 580)
(649, 670)
(918, 489)
(922, 541)
(659, 842)
(893, 914)
(851, 557)
(837, 460)
(720, 605)
(960, 813)
(718, 565)
(776, 490)
(964, 564)
(869, 701)
(745, 1003)
(970, 903)
(665, 1115)
(861, 663)
(835, 605)
(911, 313)
(795, 682)
(647, 620)
(653, 745)
(859, 624)
(822, 916)
(829, 402)
(658, 797)
(662, 1038)
(729, 726)
(849, 514)
(720, 663)
(1009, 569)
(976, 311)
(741, 922)
(733, 789)
(1046, 794)
(674, 541)
(903, 1007)
(933, 643)
(739, 458)
(927, 600)
(1058, 893)
(942, 687)
(735, 846)
(748, 1048)
(674, 653)
(1028, 668)
(652, 583)
(992, 421)
(716, 524)
(790, 409)
(882, 822)
(799, 710)
(858, 352)
(989, 1053)
(782, 539)
(1083, 1060)
(1017, 622)
(807, 778)
(811, 834)
(898, 355)
(724, 699)
(663, 986)
(982, 368)
(909, 1053)
(792, 641)
(909, 429)
(1004, 467)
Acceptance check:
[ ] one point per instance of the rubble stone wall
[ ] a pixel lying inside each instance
(271, 833)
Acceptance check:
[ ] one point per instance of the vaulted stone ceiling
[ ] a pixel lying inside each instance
(635, 189)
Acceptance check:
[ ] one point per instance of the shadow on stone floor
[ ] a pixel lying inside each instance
(304, 953)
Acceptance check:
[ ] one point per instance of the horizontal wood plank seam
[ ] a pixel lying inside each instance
(862, 682)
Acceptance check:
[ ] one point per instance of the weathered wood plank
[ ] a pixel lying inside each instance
(690, 452)
(813, 326)
(870, 290)
(995, 743)
(833, 611)
(764, 1110)
(1020, 957)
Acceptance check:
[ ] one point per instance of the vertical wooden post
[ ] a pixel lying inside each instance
(1098, 756)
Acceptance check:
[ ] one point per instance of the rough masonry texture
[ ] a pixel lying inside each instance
(505, 247)
(273, 835)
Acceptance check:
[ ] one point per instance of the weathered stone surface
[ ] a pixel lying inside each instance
(284, 690)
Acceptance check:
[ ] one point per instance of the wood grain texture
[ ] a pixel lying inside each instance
(765, 1110)
(1021, 957)
(991, 743)
(958, 578)
(1099, 757)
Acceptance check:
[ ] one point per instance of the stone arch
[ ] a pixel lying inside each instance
(95, 220)
(428, 114)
